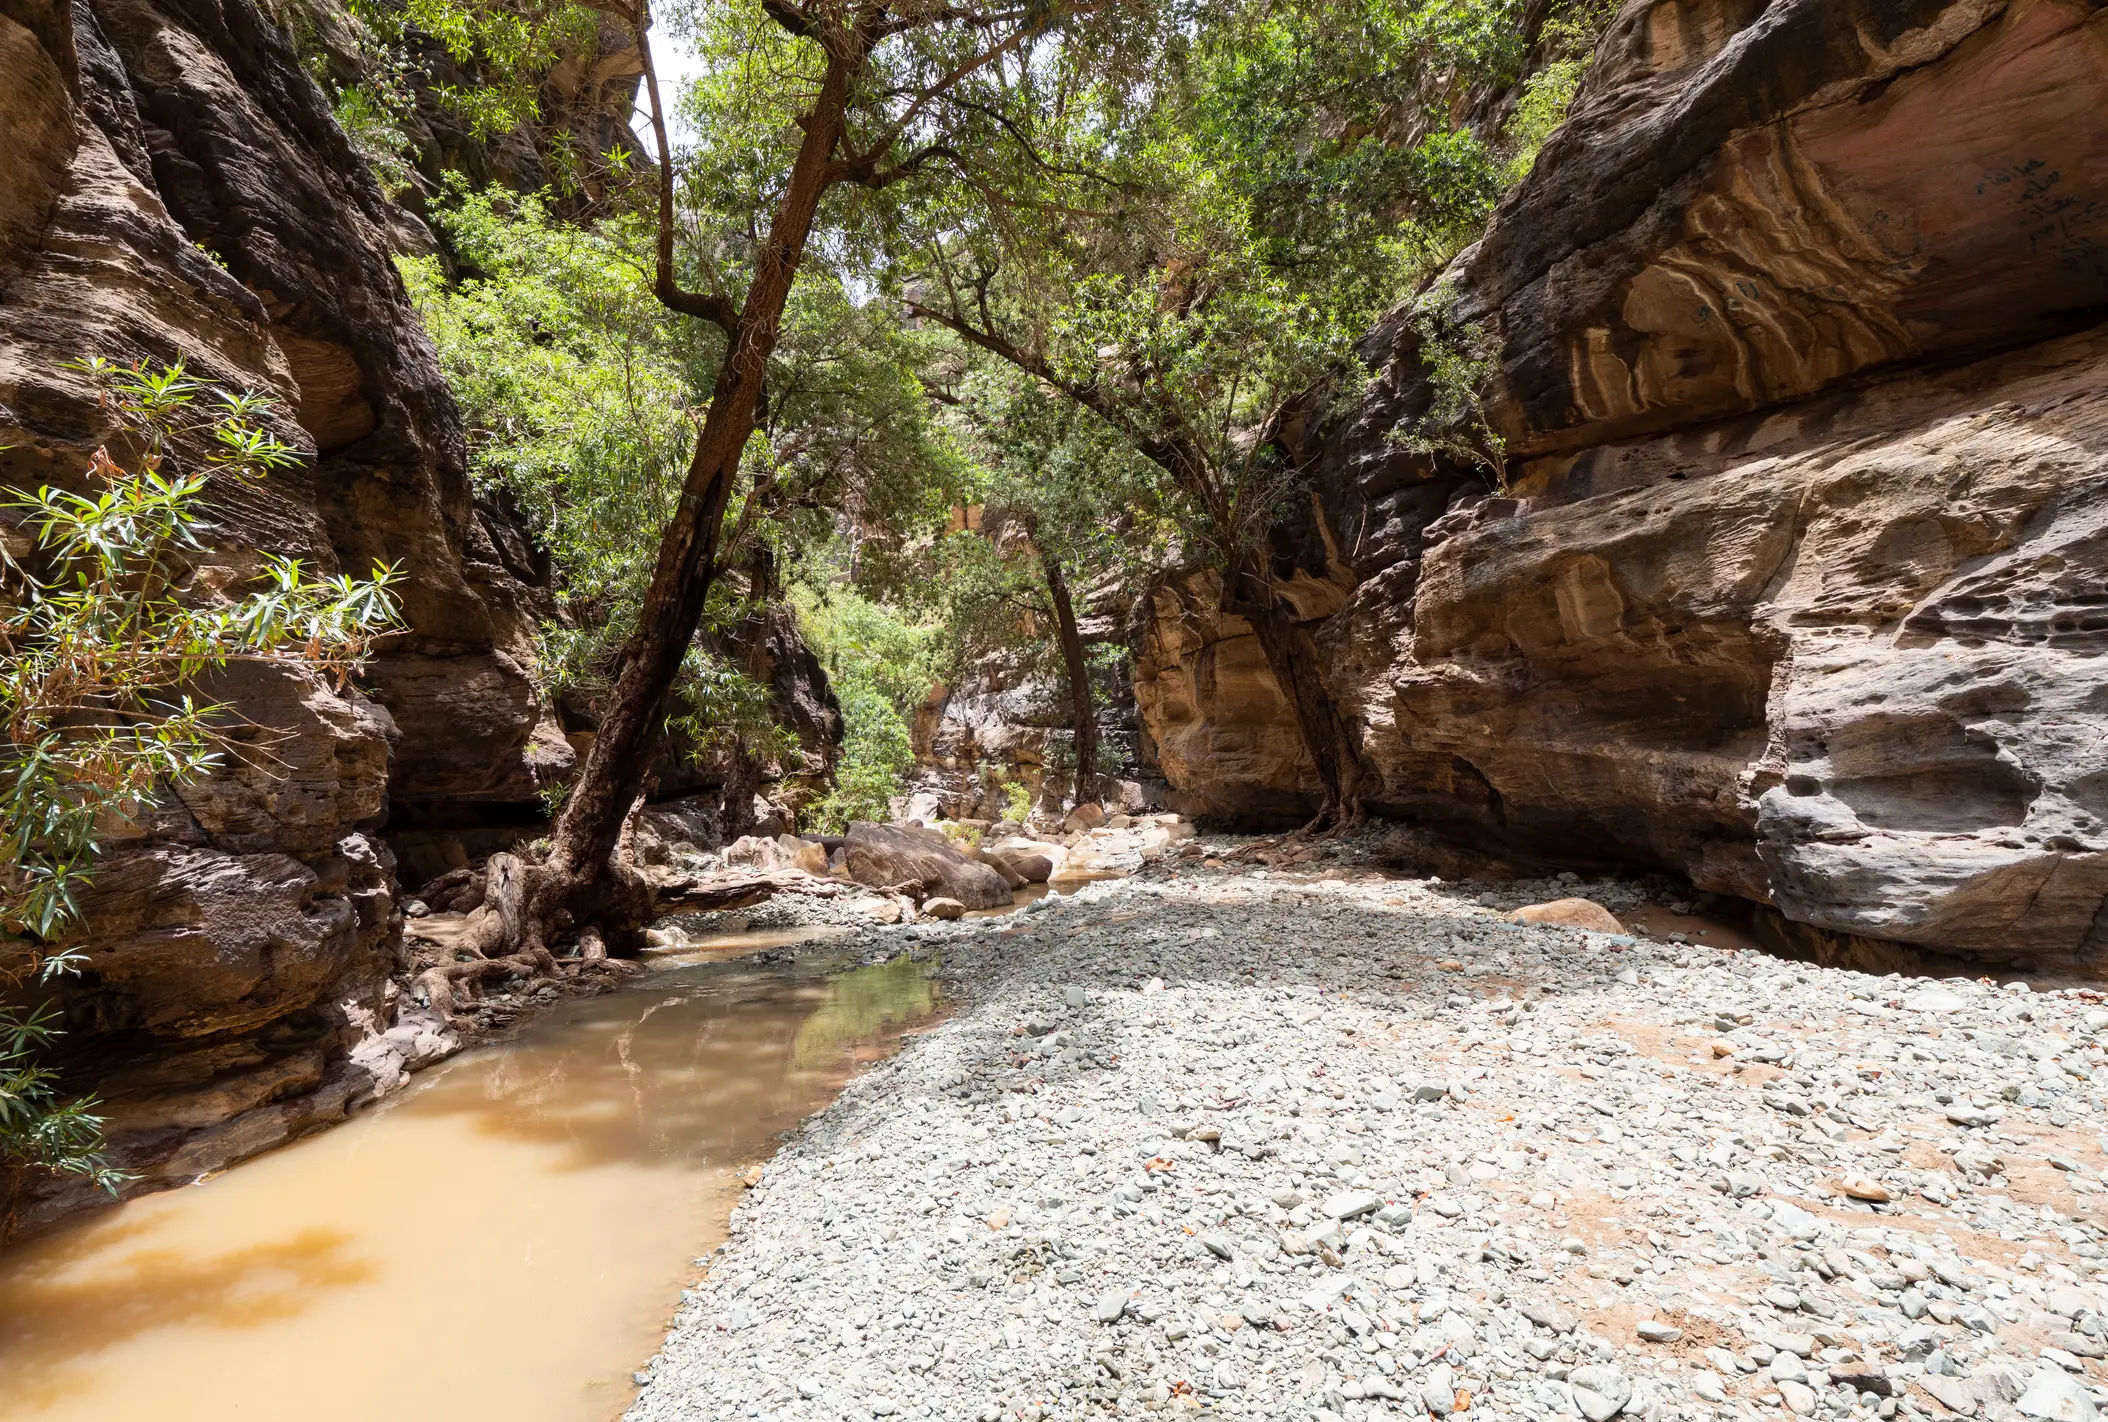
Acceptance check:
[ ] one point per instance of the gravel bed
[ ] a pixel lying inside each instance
(1259, 1146)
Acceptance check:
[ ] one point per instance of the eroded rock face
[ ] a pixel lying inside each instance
(1011, 723)
(1800, 581)
(173, 188)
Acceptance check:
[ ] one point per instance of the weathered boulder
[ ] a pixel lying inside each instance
(1012, 877)
(1026, 855)
(781, 851)
(1570, 913)
(1158, 837)
(1084, 818)
(1025, 868)
(889, 856)
(1794, 583)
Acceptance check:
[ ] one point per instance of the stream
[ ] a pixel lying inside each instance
(505, 1238)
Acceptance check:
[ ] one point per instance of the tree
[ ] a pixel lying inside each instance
(106, 627)
(1064, 503)
(830, 110)
(1191, 349)
(580, 391)
(1199, 275)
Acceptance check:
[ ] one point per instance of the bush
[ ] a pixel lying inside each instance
(98, 643)
(882, 667)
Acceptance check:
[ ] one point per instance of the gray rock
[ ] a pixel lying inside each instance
(1951, 1393)
(2054, 1395)
(1439, 1390)
(1352, 1204)
(1608, 1384)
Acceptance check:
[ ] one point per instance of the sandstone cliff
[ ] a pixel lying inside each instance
(173, 187)
(1799, 580)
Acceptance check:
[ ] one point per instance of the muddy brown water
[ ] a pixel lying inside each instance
(505, 1239)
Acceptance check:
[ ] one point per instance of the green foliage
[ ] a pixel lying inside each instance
(577, 391)
(1456, 179)
(1542, 108)
(371, 115)
(1568, 42)
(882, 667)
(1197, 269)
(104, 630)
(726, 708)
(1460, 361)
(506, 47)
(1485, 37)
(1017, 802)
(581, 393)
(576, 387)
(38, 1127)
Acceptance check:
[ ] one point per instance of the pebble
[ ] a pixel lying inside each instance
(1255, 1153)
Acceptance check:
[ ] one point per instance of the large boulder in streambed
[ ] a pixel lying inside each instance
(1029, 867)
(890, 856)
(1569, 913)
(1038, 860)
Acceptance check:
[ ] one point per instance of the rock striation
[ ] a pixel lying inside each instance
(1795, 579)
(174, 188)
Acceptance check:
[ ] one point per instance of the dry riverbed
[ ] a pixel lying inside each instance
(1267, 1145)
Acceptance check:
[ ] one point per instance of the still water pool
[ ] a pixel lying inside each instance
(505, 1239)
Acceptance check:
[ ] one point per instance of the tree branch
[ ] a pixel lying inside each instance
(715, 309)
(870, 156)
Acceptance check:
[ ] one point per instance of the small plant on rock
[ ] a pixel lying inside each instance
(107, 620)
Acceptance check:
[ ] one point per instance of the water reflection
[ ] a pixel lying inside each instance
(861, 1006)
(503, 1240)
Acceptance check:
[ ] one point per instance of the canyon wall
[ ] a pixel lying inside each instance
(173, 187)
(1796, 581)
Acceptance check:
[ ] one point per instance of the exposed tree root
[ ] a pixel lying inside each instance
(1337, 819)
(529, 909)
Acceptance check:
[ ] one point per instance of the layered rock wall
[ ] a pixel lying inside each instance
(1798, 579)
(173, 188)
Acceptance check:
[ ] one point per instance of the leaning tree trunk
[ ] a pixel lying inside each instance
(1081, 711)
(1290, 653)
(582, 882)
(1292, 656)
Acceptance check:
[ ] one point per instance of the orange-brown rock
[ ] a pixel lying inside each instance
(1570, 913)
(173, 187)
(922, 862)
(1795, 584)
